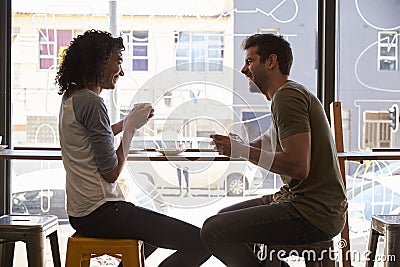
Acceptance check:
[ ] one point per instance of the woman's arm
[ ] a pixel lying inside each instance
(135, 120)
(117, 127)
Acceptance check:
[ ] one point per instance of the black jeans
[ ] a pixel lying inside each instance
(119, 219)
(229, 235)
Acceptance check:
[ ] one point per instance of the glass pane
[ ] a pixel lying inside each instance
(186, 61)
(386, 64)
(140, 64)
(215, 65)
(139, 50)
(182, 65)
(368, 79)
(46, 49)
(46, 63)
(140, 37)
(184, 37)
(200, 38)
(182, 52)
(388, 51)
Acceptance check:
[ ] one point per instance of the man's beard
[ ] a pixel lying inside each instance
(253, 88)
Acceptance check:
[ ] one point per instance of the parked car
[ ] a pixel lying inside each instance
(233, 177)
(43, 192)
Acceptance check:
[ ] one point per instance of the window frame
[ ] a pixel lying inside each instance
(130, 44)
(56, 57)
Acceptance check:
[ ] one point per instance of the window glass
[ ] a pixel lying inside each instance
(203, 50)
(186, 61)
(368, 78)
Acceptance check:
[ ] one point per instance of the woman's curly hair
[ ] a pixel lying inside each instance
(86, 59)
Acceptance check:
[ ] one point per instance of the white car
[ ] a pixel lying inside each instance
(232, 177)
(43, 192)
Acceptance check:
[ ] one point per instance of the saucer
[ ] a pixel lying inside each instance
(169, 151)
(2, 147)
(136, 150)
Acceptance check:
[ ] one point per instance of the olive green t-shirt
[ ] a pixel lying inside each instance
(321, 198)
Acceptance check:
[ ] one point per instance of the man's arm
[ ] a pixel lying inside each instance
(294, 159)
(262, 142)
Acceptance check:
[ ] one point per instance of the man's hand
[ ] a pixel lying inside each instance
(227, 146)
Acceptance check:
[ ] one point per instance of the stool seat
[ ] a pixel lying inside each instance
(314, 254)
(33, 230)
(389, 227)
(81, 249)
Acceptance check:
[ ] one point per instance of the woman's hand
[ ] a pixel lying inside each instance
(138, 117)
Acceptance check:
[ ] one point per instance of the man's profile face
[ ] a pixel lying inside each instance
(253, 69)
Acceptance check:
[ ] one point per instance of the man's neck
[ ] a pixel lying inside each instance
(275, 86)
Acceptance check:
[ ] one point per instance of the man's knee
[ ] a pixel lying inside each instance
(211, 229)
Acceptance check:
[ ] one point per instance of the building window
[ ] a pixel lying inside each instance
(52, 44)
(136, 50)
(199, 51)
(388, 50)
(377, 132)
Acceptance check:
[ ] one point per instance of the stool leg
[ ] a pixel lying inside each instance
(35, 249)
(55, 249)
(372, 245)
(392, 247)
(85, 260)
(73, 258)
(7, 254)
(142, 257)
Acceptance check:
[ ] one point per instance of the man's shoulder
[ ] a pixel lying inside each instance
(294, 86)
(292, 89)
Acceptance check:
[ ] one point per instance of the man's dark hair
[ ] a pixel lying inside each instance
(268, 44)
(86, 59)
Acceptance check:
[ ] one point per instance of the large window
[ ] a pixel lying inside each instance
(368, 77)
(186, 60)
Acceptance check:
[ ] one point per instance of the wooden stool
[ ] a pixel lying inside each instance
(33, 230)
(81, 249)
(389, 227)
(314, 254)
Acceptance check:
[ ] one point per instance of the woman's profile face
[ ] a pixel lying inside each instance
(113, 71)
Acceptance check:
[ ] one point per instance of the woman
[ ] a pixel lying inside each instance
(95, 203)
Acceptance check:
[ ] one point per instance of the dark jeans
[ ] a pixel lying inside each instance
(119, 219)
(229, 235)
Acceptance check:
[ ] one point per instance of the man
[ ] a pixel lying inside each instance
(311, 204)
